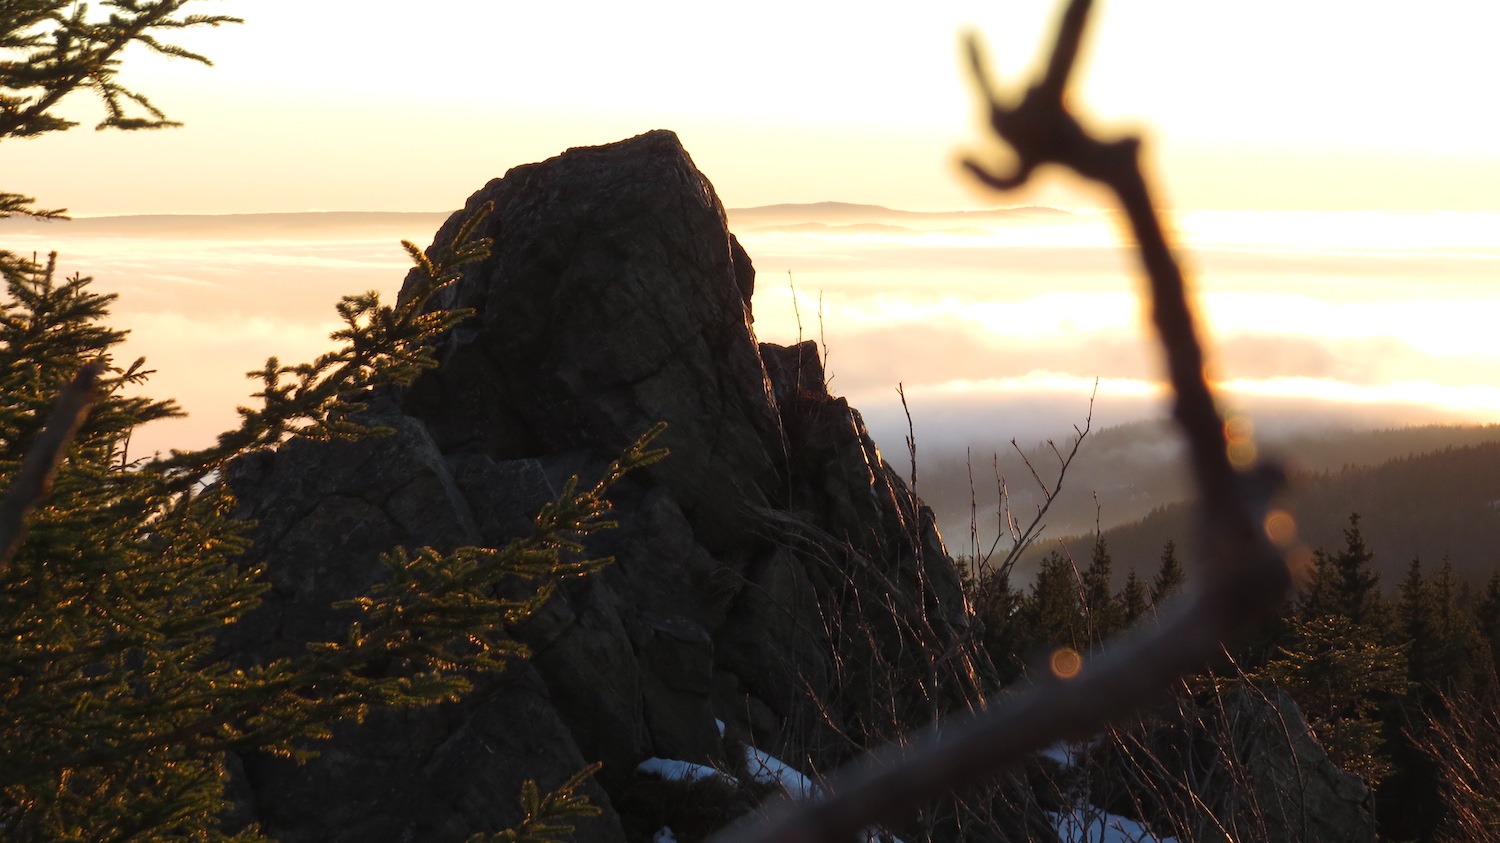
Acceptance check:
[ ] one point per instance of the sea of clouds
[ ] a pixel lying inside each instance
(998, 323)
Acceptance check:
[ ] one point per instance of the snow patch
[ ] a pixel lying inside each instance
(664, 835)
(1060, 753)
(1065, 753)
(768, 770)
(684, 771)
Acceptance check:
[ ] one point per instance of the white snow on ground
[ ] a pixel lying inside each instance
(1062, 752)
(768, 770)
(1087, 824)
(764, 768)
(683, 771)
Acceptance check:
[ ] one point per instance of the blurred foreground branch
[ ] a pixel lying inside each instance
(34, 478)
(1245, 577)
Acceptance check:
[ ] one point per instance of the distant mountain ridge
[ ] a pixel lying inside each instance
(850, 212)
(1431, 506)
(881, 229)
(1126, 472)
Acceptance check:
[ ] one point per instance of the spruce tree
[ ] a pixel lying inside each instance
(1455, 663)
(1100, 609)
(115, 712)
(1487, 617)
(1345, 583)
(1416, 614)
(1052, 613)
(996, 605)
(1132, 600)
(1169, 575)
(115, 709)
(1340, 661)
(1341, 676)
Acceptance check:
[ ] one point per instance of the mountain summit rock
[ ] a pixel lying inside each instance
(773, 574)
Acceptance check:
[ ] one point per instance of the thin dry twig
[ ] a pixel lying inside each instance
(39, 467)
(1246, 579)
(911, 436)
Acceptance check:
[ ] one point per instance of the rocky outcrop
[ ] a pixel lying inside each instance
(1244, 766)
(774, 573)
(1293, 789)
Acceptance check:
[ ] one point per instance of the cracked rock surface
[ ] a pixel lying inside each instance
(773, 573)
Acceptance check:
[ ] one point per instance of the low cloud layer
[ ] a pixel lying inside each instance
(994, 322)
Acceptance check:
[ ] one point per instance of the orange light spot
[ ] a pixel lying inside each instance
(1239, 427)
(1239, 435)
(1066, 663)
(1281, 528)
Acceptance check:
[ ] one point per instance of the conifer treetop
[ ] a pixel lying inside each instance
(51, 48)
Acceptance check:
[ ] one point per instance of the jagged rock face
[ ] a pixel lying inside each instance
(773, 573)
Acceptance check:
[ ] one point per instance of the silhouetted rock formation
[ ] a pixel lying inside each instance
(773, 573)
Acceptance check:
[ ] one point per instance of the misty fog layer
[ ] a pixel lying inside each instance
(998, 323)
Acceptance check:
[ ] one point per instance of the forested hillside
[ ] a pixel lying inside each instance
(1126, 472)
(1432, 506)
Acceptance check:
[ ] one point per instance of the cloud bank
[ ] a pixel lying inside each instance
(997, 322)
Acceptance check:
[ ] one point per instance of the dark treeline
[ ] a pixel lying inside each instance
(1431, 506)
(1396, 679)
(1136, 469)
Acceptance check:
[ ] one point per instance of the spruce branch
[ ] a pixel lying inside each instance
(51, 48)
(438, 616)
(549, 818)
(380, 344)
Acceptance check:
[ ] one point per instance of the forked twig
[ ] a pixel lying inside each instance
(1246, 577)
(1033, 530)
(39, 467)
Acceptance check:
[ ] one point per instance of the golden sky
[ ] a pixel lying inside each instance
(1280, 104)
(1331, 162)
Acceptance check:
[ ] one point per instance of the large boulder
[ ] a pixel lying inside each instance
(773, 574)
(1293, 790)
(1241, 765)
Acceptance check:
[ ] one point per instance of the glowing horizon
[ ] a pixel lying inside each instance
(971, 314)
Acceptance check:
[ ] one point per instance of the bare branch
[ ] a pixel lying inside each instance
(1023, 539)
(38, 469)
(1046, 493)
(1246, 579)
